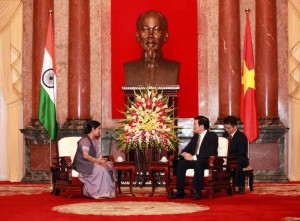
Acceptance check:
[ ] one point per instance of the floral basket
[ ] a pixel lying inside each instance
(148, 123)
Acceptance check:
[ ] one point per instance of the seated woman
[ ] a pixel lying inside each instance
(97, 174)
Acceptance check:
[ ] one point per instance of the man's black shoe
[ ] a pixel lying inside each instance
(197, 195)
(241, 190)
(177, 195)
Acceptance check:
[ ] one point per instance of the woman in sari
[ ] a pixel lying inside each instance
(97, 174)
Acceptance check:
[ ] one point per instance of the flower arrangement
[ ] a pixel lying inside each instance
(148, 122)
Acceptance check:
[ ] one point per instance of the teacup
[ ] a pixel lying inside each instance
(119, 159)
(164, 159)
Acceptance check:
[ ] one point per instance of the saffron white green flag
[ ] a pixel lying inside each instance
(47, 103)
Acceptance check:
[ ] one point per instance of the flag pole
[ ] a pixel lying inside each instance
(50, 154)
(50, 161)
(47, 102)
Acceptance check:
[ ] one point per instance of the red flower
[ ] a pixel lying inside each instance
(162, 113)
(149, 103)
(134, 116)
(131, 124)
(138, 104)
(166, 135)
(159, 103)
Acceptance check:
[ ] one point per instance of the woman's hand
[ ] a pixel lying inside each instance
(101, 160)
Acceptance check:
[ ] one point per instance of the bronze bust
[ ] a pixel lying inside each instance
(151, 69)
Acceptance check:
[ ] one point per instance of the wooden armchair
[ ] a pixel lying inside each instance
(63, 176)
(216, 177)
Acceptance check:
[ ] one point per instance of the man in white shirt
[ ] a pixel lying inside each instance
(195, 156)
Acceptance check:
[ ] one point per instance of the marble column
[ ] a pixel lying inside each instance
(79, 60)
(229, 58)
(37, 148)
(266, 67)
(40, 24)
(78, 68)
(271, 142)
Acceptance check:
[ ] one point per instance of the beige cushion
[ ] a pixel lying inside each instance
(222, 152)
(67, 146)
(223, 147)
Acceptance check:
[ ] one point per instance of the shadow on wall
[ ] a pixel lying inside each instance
(109, 145)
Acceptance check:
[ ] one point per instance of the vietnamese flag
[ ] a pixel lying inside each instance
(47, 103)
(248, 109)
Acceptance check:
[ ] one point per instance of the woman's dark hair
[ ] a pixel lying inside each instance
(203, 121)
(232, 120)
(90, 125)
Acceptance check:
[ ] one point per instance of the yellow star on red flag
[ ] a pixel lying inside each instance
(248, 78)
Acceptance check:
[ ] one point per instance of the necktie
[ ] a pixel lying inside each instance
(229, 144)
(198, 145)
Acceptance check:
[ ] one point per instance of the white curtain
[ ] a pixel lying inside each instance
(3, 140)
(11, 32)
(294, 88)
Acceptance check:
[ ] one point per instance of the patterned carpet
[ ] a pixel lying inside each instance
(279, 189)
(130, 208)
(23, 189)
(139, 206)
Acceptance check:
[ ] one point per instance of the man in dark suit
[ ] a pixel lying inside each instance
(195, 156)
(152, 68)
(237, 150)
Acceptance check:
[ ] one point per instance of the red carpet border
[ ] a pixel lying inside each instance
(268, 201)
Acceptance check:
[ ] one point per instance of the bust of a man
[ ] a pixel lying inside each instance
(152, 68)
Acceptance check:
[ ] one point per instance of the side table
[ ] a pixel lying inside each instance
(125, 166)
(159, 167)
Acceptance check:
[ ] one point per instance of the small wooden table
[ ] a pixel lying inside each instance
(125, 166)
(159, 167)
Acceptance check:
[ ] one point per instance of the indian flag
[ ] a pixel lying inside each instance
(47, 103)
